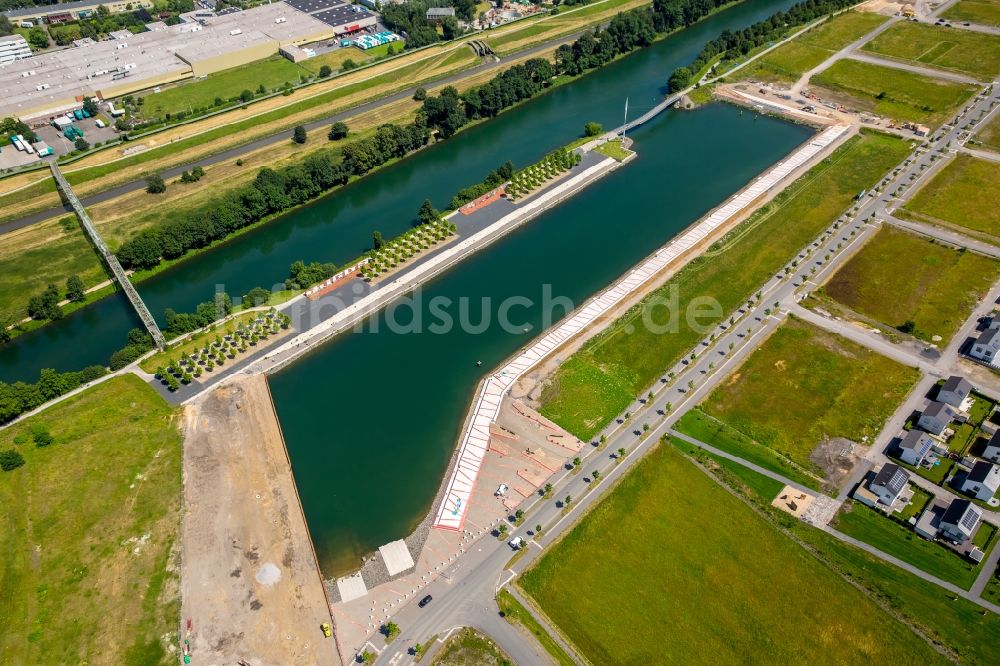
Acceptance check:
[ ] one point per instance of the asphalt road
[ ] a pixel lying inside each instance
(278, 137)
(465, 594)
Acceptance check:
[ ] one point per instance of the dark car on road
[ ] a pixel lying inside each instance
(426, 600)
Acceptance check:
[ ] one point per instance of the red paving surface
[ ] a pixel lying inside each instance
(483, 201)
(333, 285)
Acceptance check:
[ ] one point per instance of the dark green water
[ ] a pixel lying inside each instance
(371, 419)
(339, 227)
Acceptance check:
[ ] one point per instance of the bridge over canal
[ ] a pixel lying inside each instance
(110, 260)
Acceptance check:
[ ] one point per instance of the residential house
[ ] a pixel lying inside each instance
(982, 481)
(960, 520)
(957, 392)
(992, 451)
(915, 446)
(438, 14)
(986, 347)
(889, 483)
(936, 418)
(929, 523)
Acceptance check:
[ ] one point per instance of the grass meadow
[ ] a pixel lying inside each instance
(89, 526)
(895, 93)
(985, 12)
(875, 529)
(805, 384)
(990, 135)
(606, 374)
(974, 53)
(898, 277)
(962, 194)
(672, 568)
(789, 61)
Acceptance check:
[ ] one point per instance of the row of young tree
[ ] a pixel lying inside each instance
(732, 44)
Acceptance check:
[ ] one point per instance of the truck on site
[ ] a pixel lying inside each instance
(100, 123)
(17, 143)
(43, 149)
(27, 146)
(61, 122)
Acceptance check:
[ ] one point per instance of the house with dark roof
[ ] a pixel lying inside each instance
(889, 483)
(936, 418)
(987, 346)
(960, 520)
(438, 14)
(992, 450)
(915, 447)
(982, 481)
(957, 392)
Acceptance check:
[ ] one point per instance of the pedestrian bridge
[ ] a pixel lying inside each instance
(110, 260)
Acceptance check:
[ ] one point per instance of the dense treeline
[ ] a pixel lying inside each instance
(497, 177)
(732, 44)
(21, 397)
(272, 191)
(410, 18)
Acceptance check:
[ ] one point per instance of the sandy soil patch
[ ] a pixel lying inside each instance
(250, 587)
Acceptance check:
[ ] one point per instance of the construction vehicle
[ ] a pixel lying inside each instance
(326, 629)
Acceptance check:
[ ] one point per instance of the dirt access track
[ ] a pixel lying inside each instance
(250, 588)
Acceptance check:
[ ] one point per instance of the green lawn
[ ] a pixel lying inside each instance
(804, 385)
(468, 647)
(985, 12)
(614, 150)
(791, 60)
(974, 53)
(29, 271)
(895, 93)
(936, 474)
(335, 59)
(704, 428)
(875, 529)
(600, 380)
(517, 614)
(957, 626)
(916, 506)
(898, 277)
(272, 72)
(90, 523)
(736, 475)
(671, 568)
(962, 194)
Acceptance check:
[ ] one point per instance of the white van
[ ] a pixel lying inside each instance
(516, 543)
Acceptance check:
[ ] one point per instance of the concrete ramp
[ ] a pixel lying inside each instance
(351, 587)
(397, 557)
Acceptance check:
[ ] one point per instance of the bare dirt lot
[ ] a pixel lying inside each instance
(250, 588)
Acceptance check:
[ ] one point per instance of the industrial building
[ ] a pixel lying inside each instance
(48, 84)
(64, 12)
(340, 15)
(12, 48)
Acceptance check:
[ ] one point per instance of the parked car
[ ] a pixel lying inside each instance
(426, 600)
(501, 490)
(516, 543)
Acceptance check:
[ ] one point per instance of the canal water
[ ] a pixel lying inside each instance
(371, 419)
(339, 227)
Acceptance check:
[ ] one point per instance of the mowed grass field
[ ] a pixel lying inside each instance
(672, 568)
(898, 277)
(89, 525)
(875, 529)
(985, 12)
(963, 194)
(600, 380)
(271, 73)
(990, 135)
(894, 93)
(804, 385)
(974, 53)
(957, 626)
(788, 62)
